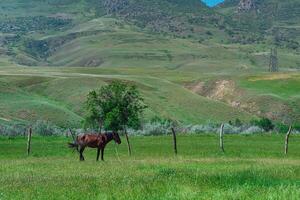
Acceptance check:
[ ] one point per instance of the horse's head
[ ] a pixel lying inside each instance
(116, 138)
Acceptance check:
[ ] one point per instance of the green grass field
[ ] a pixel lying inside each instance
(253, 167)
(192, 64)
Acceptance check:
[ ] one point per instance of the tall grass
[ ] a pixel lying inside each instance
(253, 167)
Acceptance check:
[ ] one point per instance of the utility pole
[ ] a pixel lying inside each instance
(273, 64)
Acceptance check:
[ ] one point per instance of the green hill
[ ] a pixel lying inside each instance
(192, 63)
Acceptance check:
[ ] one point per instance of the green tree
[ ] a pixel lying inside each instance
(94, 116)
(116, 106)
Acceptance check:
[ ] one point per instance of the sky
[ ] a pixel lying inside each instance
(212, 2)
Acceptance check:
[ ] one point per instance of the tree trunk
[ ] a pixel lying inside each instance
(100, 130)
(174, 141)
(128, 143)
(29, 141)
(221, 138)
(100, 127)
(286, 146)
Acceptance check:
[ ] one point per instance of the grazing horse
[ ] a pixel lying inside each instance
(98, 141)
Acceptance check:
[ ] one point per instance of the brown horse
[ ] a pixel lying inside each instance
(98, 141)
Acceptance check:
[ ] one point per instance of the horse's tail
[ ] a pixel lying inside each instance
(73, 145)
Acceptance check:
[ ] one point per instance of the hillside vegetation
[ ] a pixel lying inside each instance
(192, 63)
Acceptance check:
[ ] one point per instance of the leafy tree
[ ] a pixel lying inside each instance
(94, 115)
(116, 106)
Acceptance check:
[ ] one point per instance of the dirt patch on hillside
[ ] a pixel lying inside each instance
(228, 92)
(223, 89)
(220, 90)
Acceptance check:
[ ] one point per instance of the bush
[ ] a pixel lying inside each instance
(297, 127)
(196, 129)
(152, 128)
(281, 128)
(264, 123)
(252, 130)
(157, 127)
(46, 128)
(12, 130)
(230, 129)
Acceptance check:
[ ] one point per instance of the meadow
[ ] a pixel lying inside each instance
(192, 64)
(252, 167)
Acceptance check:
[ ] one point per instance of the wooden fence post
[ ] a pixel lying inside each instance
(221, 138)
(174, 141)
(286, 146)
(29, 141)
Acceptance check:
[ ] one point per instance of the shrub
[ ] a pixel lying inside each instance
(297, 127)
(158, 127)
(263, 123)
(281, 128)
(154, 128)
(46, 128)
(196, 129)
(12, 130)
(252, 130)
(230, 129)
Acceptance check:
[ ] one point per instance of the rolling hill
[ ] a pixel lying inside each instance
(192, 63)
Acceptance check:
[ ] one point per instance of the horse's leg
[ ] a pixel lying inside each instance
(81, 153)
(98, 153)
(102, 154)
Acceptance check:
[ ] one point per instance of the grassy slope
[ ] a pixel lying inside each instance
(18, 104)
(177, 102)
(253, 167)
(126, 46)
(275, 92)
(130, 53)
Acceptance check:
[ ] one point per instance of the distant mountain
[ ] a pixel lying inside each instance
(260, 20)
(277, 11)
(173, 16)
(41, 28)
